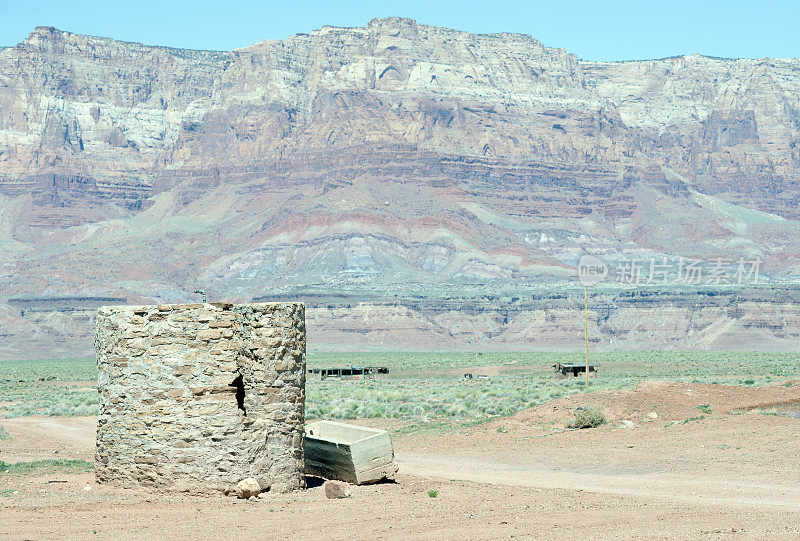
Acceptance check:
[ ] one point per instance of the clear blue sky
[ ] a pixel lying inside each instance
(602, 30)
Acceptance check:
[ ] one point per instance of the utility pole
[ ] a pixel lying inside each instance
(586, 313)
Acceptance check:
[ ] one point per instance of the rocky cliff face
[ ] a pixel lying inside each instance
(394, 158)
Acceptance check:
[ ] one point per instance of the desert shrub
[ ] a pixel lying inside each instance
(773, 411)
(4, 435)
(587, 417)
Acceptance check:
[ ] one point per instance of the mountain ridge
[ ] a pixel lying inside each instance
(393, 158)
(411, 20)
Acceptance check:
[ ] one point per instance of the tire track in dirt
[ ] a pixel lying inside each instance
(677, 488)
(38, 438)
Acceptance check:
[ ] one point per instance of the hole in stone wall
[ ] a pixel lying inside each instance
(239, 384)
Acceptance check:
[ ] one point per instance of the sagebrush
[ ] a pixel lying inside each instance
(422, 389)
(588, 417)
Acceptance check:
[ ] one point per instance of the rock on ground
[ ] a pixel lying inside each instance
(247, 488)
(336, 489)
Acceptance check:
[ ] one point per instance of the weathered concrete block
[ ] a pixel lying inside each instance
(184, 406)
(354, 454)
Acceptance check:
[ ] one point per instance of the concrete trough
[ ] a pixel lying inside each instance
(349, 453)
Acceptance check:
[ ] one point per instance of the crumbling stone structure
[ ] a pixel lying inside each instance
(197, 397)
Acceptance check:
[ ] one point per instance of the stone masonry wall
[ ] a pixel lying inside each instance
(197, 397)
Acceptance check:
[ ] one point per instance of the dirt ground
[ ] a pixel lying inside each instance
(695, 464)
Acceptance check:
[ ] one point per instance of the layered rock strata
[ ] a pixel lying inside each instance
(397, 159)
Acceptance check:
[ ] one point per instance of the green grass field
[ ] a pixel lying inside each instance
(47, 466)
(72, 393)
(429, 387)
(423, 388)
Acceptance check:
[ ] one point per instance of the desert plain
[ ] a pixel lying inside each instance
(677, 457)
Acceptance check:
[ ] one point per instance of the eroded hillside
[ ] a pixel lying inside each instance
(394, 160)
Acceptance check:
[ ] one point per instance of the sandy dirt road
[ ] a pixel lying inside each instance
(730, 456)
(38, 437)
(689, 489)
(725, 475)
